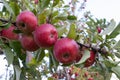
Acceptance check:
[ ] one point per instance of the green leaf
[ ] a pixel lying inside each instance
(15, 8)
(32, 63)
(72, 32)
(117, 54)
(92, 20)
(23, 75)
(109, 28)
(116, 70)
(17, 31)
(17, 71)
(9, 55)
(8, 7)
(55, 2)
(89, 23)
(6, 25)
(50, 78)
(16, 61)
(44, 4)
(71, 17)
(61, 30)
(50, 62)
(61, 18)
(53, 62)
(42, 18)
(85, 56)
(16, 46)
(40, 55)
(55, 13)
(115, 31)
(117, 45)
(110, 63)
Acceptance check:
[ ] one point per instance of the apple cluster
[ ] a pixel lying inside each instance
(34, 36)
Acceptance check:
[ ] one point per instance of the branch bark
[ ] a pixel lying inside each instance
(100, 50)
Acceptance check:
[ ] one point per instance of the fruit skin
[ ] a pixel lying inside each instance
(28, 43)
(36, 1)
(91, 59)
(65, 50)
(90, 79)
(8, 33)
(45, 35)
(78, 57)
(99, 29)
(26, 21)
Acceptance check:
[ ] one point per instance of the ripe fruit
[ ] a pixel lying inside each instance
(65, 50)
(45, 35)
(99, 29)
(26, 22)
(28, 43)
(8, 33)
(90, 60)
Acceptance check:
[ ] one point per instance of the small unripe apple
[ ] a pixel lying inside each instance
(65, 50)
(86, 74)
(76, 74)
(26, 22)
(99, 29)
(28, 43)
(36, 1)
(8, 33)
(91, 59)
(45, 35)
(90, 79)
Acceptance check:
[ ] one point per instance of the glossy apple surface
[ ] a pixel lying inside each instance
(45, 35)
(65, 50)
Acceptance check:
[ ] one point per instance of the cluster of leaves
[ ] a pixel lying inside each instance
(69, 24)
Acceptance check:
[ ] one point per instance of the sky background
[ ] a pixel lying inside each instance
(108, 9)
(104, 9)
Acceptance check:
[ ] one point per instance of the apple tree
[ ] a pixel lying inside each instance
(58, 40)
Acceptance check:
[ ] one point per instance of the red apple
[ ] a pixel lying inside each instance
(28, 43)
(26, 22)
(91, 59)
(65, 50)
(8, 33)
(45, 35)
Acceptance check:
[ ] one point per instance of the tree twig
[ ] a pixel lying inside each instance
(7, 21)
(100, 50)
